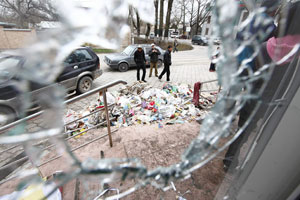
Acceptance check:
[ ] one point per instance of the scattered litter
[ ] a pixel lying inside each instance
(142, 104)
(180, 197)
(105, 191)
(173, 186)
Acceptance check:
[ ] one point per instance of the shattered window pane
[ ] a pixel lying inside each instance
(52, 146)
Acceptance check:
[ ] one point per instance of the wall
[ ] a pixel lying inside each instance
(207, 27)
(15, 38)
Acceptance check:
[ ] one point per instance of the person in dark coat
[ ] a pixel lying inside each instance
(140, 60)
(153, 53)
(175, 45)
(167, 64)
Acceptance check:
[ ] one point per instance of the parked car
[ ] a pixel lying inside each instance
(217, 41)
(81, 67)
(183, 37)
(151, 35)
(200, 40)
(125, 60)
(174, 34)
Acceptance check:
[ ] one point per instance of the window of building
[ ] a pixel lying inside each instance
(206, 31)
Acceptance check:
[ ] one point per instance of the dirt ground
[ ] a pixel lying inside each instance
(154, 146)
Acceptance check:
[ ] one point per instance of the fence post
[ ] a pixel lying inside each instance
(107, 116)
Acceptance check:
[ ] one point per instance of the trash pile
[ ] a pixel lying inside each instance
(142, 104)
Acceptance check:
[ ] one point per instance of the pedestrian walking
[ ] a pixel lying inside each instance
(212, 67)
(153, 53)
(167, 64)
(140, 60)
(175, 45)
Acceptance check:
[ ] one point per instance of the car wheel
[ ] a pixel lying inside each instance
(7, 115)
(123, 67)
(159, 63)
(84, 85)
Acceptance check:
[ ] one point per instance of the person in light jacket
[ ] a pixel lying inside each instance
(153, 53)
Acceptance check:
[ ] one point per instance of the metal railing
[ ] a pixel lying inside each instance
(101, 91)
(206, 82)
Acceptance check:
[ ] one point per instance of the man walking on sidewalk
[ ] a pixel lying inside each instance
(153, 53)
(140, 60)
(175, 45)
(167, 64)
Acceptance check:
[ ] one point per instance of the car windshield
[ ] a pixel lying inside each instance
(128, 50)
(160, 49)
(8, 67)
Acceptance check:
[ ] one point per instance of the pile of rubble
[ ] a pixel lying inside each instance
(141, 104)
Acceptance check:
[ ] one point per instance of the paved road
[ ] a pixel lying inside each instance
(187, 67)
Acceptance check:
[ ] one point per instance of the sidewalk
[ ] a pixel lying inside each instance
(187, 67)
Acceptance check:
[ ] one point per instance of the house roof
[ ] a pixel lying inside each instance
(49, 24)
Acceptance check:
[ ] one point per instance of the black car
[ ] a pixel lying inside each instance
(200, 40)
(124, 60)
(81, 67)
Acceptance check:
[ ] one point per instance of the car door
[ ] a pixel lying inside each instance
(8, 66)
(131, 58)
(146, 50)
(79, 61)
(162, 52)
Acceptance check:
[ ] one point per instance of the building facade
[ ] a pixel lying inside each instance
(207, 27)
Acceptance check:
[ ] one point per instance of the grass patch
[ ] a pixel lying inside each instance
(98, 49)
(103, 50)
(163, 44)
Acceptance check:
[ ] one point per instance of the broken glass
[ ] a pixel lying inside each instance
(105, 24)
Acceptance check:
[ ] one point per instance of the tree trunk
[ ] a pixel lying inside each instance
(191, 20)
(148, 30)
(138, 24)
(161, 18)
(131, 15)
(156, 17)
(184, 27)
(198, 16)
(170, 3)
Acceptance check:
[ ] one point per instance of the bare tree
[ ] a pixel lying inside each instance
(161, 18)
(176, 14)
(134, 17)
(148, 30)
(167, 26)
(192, 11)
(156, 16)
(180, 12)
(201, 14)
(25, 12)
(138, 22)
(184, 8)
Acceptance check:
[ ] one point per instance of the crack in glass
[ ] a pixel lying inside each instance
(80, 25)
